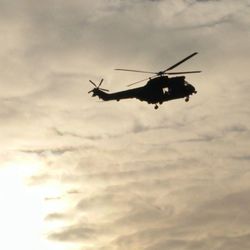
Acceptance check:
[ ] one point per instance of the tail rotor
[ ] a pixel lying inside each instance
(97, 87)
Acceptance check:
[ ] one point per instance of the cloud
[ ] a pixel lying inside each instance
(129, 176)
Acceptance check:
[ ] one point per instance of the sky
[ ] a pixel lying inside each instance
(80, 174)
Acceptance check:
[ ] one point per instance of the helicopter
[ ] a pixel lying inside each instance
(158, 89)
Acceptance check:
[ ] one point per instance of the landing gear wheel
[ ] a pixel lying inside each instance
(187, 99)
(156, 106)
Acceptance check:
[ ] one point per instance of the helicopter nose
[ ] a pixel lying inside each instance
(192, 89)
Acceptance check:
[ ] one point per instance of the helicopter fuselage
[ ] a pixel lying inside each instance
(156, 91)
(163, 88)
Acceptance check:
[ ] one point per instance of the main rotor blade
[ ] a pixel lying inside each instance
(93, 83)
(138, 71)
(182, 61)
(184, 72)
(137, 82)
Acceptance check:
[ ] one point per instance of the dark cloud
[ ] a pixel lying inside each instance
(243, 158)
(74, 233)
(55, 216)
(207, 0)
(52, 198)
(55, 151)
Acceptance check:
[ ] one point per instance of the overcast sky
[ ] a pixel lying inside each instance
(77, 173)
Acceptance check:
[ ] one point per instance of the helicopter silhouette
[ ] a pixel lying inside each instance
(159, 88)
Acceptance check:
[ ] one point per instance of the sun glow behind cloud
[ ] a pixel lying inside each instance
(23, 207)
